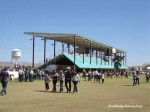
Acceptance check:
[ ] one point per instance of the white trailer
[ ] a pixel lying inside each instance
(13, 74)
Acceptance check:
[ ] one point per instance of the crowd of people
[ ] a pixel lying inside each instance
(62, 77)
(65, 78)
(95, 74)
(136, 77)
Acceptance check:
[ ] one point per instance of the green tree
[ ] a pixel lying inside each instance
(117, 61)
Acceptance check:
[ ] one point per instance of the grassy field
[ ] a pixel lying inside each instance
(115, 95)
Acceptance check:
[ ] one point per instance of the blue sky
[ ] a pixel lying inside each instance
(124, 24)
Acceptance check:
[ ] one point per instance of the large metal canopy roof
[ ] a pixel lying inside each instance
(69, 38)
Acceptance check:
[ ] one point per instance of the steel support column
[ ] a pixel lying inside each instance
(111, 59)
(62, 48)
(68, 45)
(96, 53)
(33, 52)
(44, 50)
(105, 55)
(121, 60)
(125, 59)
(83, 50)
(54, 48)
(74, 52)
(101, 55)
(90, 52)
(108, 56)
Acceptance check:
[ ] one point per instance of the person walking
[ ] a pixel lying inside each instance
(68, 79)
(61, 80)
(137, 78)
(84, 74)
(75, 79)
(103, 77)
(54, 78)
(47, 80)
(134, 78)
(4, 80)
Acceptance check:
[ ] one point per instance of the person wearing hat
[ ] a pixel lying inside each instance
(61, 78)
(68, 79)
(4, 80)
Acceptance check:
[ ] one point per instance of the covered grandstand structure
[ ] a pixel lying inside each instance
(81, 53)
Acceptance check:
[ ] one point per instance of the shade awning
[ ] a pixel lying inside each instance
(69, 39)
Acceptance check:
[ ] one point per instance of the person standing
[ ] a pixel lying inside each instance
(126, 74)
(99, 76)
(46, 80)
(147, 76)
(4, 80)
(75, 79)
(61, 78)
(137, 78)
(89, 76)
(134, 78)
(95, 75)
(21, 72)
(84, 74)
(103, 77)
(40, 75)
(54, 78)
(31, 73)
(26, 75)
(68, 79)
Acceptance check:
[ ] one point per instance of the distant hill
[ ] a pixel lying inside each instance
(9, 63)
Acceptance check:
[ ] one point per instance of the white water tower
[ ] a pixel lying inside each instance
(16, 54)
